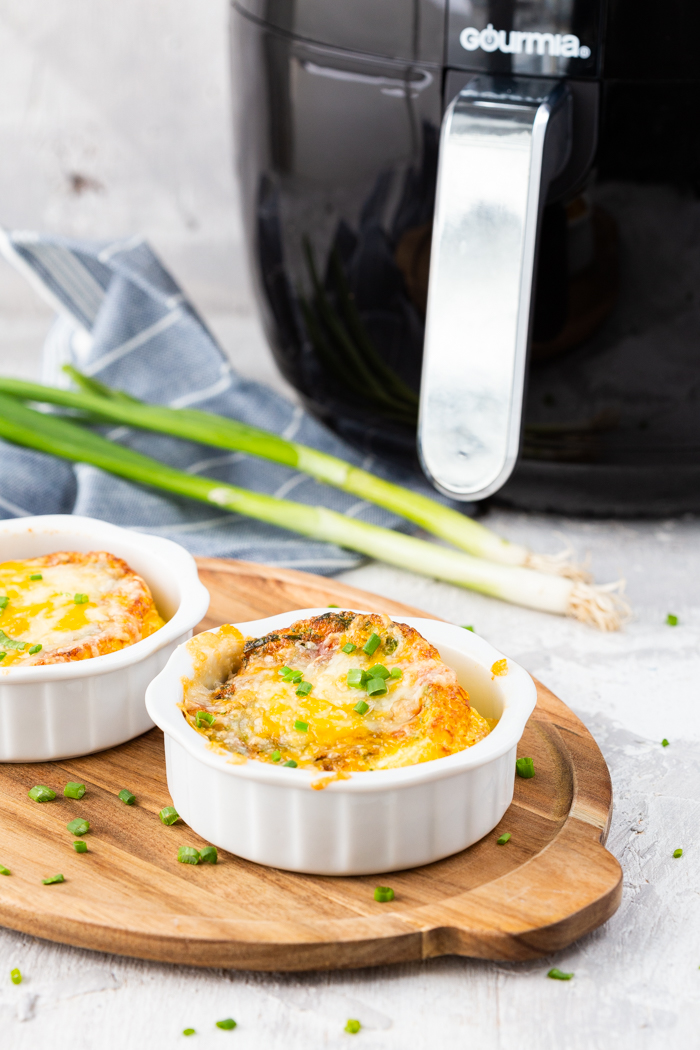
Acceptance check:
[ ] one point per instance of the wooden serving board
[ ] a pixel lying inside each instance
(553, 881)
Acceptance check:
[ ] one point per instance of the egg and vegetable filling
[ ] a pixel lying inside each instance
(341, 692)
(71, 606)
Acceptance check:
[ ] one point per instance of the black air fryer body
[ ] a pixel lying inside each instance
(340, 108)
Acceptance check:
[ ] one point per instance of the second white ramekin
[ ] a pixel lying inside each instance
(375, 821)
(63, 710)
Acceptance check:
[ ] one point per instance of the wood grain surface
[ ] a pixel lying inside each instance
(553, 881)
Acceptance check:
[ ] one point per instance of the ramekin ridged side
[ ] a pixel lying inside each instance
(64, 710)
(372, 822)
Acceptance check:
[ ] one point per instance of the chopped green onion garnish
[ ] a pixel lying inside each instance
(126, 796)
(284, 670)
(396, 672)
(3, 601)
(672, 620)
(304, 688)
(503, 839)
(372, 644)
(15, 976)
(188, 855)
(349, 647)
(227, 1025)
(74, 790)
(79, 846)
(4, 871)
(301, 727)
(383, 894)
(559, 975)
(291, 763)
(376, 687)
(78, 826)
(41, 793)
(276, 756)
(332, 606)
(188, 1031)
(10, 643)
(467, 627)
(203, 718)
(53, 879)
(290, 675)
(169, 815)
(209, 855)
(678, 853)
(36, 576)
(35, 649)
(356, 678)
(2, 656)
(361, 707)
(664, 742)
(80, 599)
(525, 768)
(353, 1027)
(379, 671)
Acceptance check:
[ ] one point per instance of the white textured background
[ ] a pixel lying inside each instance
(114, 119)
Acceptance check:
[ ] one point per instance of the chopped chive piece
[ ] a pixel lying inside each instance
(3, 601)
(304, 688)
(376, 687)
(35, 649)
(2, 656)
(4, 871)
(41, 793)
(291, 763)
(74, 790)
(559, 975)
(9, 643)
(678, 853)
(169, 815)
(36, 576)
(276, 756)
(209, 855)
(80, 599)
(372, 644)
(79, 846)
(664, 742)
(503, 839)
(332, 606)
(227, 1024)
(379, 671)
(353, 1027)
(188, 1031)
(284, 670)
(53, 879)
(356, 678)
(349, 647)
(15, 976)
(525, 768)
(672, 620)
(361, 707)
(396, 672)
(301, 727)
(188, 855)
(126, 796)
(468, 627)
(78, 826)
(203, 718)
(383, 894)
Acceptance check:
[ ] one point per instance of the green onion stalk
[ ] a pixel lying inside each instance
(98, 401)
(57, 436)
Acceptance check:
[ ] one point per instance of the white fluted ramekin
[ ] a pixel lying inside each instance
(63, 710)
(376, 821)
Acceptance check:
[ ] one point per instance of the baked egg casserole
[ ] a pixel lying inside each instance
(71, 606)
(341, 692)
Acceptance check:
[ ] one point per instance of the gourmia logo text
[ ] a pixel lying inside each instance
(516, 43)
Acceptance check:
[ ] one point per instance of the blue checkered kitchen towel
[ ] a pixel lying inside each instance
(123, 320)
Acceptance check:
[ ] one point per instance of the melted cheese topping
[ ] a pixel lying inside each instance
(72, 606)
(257, 711)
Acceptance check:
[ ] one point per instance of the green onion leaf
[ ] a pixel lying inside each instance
(2, 656)
(678, 853)
(372, 644)
(353, 1027)
(672, 620)
(356, 678)
(349, 647)
(3, 602)
(361, 707)
(53, 879)
(209, 855)
(4, 871)
(559, 975)
(332, 606)
(188, 855)
(126, 796)
(74, 790)
(9, 643)
(284, 670)
(228, 1024)
(292, 676)
(275, 756)
(41, 793)
(379, 671)
(169, 815)
(301, 727)
(15, 976)
(36, 576)
(467, 627)
(383, 894)
(79, 846)
(188, 1031)
(664, 742)
(376, 687)
(80, 599)
(291, 763)
(503, 839)
(396, 672)
(35, 649)
(203, 718)
(304, 688)
(525, 768)
(78, 826)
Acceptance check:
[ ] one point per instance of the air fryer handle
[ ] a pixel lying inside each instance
(502, 143)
